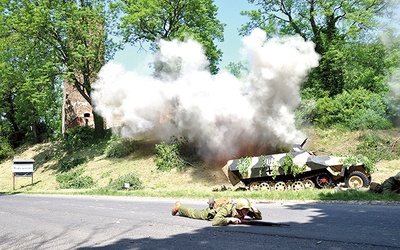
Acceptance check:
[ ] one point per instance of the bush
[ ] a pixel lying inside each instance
(74, 179)
(6, 150)
(167, 156)
(305, 114)
(77, 138)
(355, 109)
(119, 184)
(67, 165)
(119, 147)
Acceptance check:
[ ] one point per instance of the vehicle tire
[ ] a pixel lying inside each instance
(323, 181)
(280, 186)
(308, 184)
(264, 186)
(297, 185)
(254, 186)
(356, 180)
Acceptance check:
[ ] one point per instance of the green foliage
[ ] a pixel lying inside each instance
(48, 44)
(305, 113)
(239, 70)
(77, 138)
(289, 167)
(29, 87)
(393, 97)
(243, 165)
(119, 147)
(67, 165)
(332, 27)
(378, 147)
(186, 150)
(167, 157)
(132, 179)
(150, 20)
(74, 180)
(355, 109)
(367, 66)
(352, 160)
(276, 166)
(174, 154)
(6, 150)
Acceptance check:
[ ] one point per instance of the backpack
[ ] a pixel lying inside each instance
(217, 203)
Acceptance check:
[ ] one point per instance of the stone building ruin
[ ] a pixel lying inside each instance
(76, 110)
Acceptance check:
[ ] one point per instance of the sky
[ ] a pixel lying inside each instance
(228, 13)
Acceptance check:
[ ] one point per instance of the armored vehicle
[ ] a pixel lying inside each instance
(297, 169)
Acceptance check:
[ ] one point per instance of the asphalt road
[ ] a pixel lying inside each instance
(87, 222)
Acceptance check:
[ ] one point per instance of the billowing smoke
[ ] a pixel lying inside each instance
(223, 116)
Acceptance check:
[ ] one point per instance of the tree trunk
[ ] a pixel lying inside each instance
(99, 128)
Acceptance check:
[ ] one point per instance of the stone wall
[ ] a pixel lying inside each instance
(76, 110)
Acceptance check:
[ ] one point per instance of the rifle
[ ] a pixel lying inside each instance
(262, 223)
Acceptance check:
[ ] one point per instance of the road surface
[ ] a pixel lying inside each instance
(88, 222)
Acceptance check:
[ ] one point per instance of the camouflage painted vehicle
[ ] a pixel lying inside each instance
(298, 169)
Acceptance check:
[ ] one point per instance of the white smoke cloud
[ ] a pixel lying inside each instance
(219, 113)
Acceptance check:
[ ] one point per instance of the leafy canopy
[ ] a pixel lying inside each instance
(147, 21)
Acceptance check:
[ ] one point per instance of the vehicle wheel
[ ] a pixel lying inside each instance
(254, 186)
(265, 186)
(357, 180)
(308, 184)
(324, 181)
(280, 186)
(297, 185)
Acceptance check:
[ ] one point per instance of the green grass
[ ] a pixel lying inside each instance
(193, 182)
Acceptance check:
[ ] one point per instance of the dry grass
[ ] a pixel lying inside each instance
(192, 181)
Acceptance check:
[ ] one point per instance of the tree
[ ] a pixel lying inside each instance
(30, 92)
(73, 32)
(328, 23)
(239, 70)
(147, 21)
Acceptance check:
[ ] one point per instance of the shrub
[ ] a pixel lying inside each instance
(74, 179)
(362, 109)
(356, 109)
(119, 147)
(325, 112)
(77, 138)
(119, 184)
(66, 165)
(305, 115)
(167, 156)
(6, 150)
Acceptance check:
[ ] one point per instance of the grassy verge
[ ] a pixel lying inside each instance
(193, 182)
(205, 193)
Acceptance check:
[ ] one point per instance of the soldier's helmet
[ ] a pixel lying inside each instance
(397, 176)
(242, 203)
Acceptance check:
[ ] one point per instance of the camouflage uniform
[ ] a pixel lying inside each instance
(217, 215)
(392, 184)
